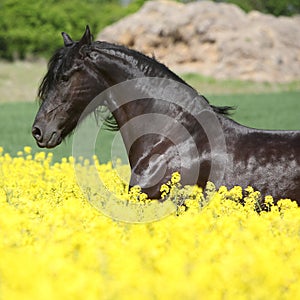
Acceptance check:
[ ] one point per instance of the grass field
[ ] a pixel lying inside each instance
(19, 82)
(268, 111)
(260, 105)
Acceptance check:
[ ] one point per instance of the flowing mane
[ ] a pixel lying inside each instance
(62, 59)
(58, 64)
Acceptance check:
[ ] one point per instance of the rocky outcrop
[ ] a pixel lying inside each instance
(214, 39)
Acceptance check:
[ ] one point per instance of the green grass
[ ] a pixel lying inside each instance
(19, 83)
(276, 111)
(261, 105)
(209, 85)
(15, 122)
(268, 111)
(19, 80)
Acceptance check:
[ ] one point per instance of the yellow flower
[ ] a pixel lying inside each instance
(269, 201)
(27, 149)
(55, 245)
(175, 178)
(165, 188)
(223, 190)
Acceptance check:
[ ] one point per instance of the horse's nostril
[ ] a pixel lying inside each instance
(37, 133)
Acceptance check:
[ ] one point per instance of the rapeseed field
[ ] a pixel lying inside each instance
(55, 245)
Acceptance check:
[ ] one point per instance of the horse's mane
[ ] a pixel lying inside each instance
(162, 69)
(60, 62)
(63, 59)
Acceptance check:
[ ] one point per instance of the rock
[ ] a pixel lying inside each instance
(214, 39)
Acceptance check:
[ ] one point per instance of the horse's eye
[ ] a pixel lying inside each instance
(64, 78)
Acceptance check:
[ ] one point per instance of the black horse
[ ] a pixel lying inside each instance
(268, 161)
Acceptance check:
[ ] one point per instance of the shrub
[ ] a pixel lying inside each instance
(32, 27)
(277, 8)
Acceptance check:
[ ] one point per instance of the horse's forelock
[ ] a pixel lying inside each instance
(59, 63)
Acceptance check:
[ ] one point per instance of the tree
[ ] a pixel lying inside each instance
(274, 7)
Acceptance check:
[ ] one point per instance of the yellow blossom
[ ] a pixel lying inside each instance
(55, 245)
(27, 149)
(175, 178)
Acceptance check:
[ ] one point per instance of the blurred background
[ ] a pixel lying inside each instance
(244, 53)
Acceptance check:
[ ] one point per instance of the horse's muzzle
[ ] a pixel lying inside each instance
(46, 139)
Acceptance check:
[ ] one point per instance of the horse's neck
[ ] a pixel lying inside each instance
(116, 67)
(120, 64)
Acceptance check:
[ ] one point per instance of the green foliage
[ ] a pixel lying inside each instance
(268, 111)
(274, 7)
(33, 27)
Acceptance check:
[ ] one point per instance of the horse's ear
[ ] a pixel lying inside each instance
(67, 39)
(87, 37)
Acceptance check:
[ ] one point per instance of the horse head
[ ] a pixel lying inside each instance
(67, 88)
